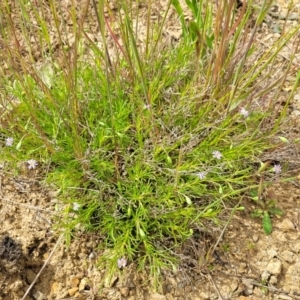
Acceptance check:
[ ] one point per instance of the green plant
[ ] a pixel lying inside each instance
(267, 206)
(251, 246)
(145, 142)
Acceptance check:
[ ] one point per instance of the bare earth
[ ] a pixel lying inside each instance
(246, 264)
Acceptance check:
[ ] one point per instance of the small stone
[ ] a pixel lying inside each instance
(295, 113)
(234, 286)
(284, 297)
(80, 275)
(293, 16)
(30, 275)
(83, 283)
(273, 280)
(80, 296)
(74, 281)
(171, 281)
(288, 256)
(296, 247)
(242, 267)
(37, 295)
(272, 253)
(72, 291)
(130, 283)
(158, 297)
(194, 296)
(286, 225)
(265, 275)
(169, 297)
(124, 291)
(54, 287)
(280, 236)
(258, 293)
(255, 238)
(248, 286)
(274, 266)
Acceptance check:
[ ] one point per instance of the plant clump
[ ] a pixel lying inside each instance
(144, 144)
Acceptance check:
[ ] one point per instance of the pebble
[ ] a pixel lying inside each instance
(274, 266)
(83, 283)
(293, 16)
(288, 256)
(204, 295)
(286, 225)
(158, 297)
(284, 297)
(255, 238)
(80, 296)
(248, 286)
(272, 253)
(265, 275)
(54, 287)
(74, 281)
(273, 280)
(37, 295)
(124, 291)
(296, 246)
(72, 291)
(30, 275)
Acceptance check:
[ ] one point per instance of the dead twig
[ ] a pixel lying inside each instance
(43, 267)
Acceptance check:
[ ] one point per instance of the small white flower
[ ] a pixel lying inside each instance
(244, 112)
(277, 169)
(122, 262)
(9, 142)
(217, 154)
(32, 164)
(76, 206)
(147, 106)
(201, 175)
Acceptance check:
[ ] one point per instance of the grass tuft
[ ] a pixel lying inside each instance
(145, 142)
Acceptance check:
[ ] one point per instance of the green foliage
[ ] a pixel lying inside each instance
(267, 209)
(147, 145)
(267, 223)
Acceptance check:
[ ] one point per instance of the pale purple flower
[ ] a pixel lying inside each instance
(217, 154)
(147, 106)
(277, 169)
(32, 164)
(9, 142)
(244, 112)
(76, 206)
(122, 262)
(201, 174)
